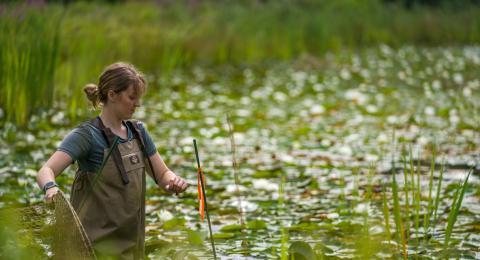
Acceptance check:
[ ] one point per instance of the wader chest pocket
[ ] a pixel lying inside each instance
(133, 161)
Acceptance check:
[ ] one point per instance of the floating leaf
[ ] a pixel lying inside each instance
(231, 228)
(301, 250)
(223, 235)
(195, 237)
(266, 174)
(304, 227)
(256, 224)
(175, 223)
(151, 246)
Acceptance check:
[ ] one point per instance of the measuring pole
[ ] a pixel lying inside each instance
(200, 172)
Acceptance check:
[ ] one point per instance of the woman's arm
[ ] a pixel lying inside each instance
(165, 177)
(52, 168)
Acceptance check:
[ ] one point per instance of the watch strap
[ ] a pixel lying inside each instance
(49, 185)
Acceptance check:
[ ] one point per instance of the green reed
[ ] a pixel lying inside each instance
(437, 197)
(418, 194)
(407, 201)
(455, 209)
(236, 177)
(426, 218)
(29, 55)
(285, 235)
(397, 214)
(423, 211)
(386, 212)
(284, 244)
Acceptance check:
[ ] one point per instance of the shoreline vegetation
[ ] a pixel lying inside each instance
(50, 51)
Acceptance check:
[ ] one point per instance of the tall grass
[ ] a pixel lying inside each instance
(426, 208)
(52, 52)
(407, 201)
(427, 217)
(455, 209)
(437, 198)
(29, 55)
(236, 177)
(386, 212)
(397, 214)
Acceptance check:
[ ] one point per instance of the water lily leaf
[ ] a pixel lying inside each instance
(231, 228)
(256, 224)
(301, 250)
(195, 237)
(323, 248)
(265, 174)
(151, 246)
(227, 211)
(304, 227)
(174, 223)
(223, 235)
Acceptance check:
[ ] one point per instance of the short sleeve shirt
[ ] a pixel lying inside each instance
(86, 143)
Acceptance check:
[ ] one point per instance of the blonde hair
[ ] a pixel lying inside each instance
(117, 77)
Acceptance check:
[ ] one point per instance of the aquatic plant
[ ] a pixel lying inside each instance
(455, 209)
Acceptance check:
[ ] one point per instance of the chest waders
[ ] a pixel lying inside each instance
(111, 202)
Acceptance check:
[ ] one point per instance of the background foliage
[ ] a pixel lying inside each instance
(50, 51)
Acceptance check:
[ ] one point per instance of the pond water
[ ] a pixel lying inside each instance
(316, 142)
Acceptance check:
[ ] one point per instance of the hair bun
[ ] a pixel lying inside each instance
(92, 92)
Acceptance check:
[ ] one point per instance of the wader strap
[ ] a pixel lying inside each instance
(110, 137)
(99, 172)
(133, 124)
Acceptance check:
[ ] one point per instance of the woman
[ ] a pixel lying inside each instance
(113, 154)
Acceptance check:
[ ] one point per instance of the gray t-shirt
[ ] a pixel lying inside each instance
(86, 143)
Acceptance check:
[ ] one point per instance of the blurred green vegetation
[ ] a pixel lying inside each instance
(50, 51)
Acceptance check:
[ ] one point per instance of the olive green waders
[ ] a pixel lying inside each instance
(111, 206)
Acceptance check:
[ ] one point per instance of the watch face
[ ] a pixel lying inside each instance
(49, 185)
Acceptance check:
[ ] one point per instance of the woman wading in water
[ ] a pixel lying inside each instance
(113, 154)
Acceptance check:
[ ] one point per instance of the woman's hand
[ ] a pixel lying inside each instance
(50, 194)
(176, 185)
(165, 178)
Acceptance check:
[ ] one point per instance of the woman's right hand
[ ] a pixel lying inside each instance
(50, 194)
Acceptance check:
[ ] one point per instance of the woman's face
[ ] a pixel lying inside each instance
(125, 102)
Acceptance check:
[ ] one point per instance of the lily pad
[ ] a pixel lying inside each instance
(266, 174)
(301, 250)
(304, 227)
(175, 223)
(256, 224)
(195, 237)
(223, 235)
(231, 228)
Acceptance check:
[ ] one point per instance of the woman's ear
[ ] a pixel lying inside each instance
(112, 96)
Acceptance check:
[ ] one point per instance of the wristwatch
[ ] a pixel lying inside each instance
(49, 185)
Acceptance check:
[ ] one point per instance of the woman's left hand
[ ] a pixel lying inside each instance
(177, 185)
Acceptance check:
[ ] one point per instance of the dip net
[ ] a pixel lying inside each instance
(44, 231)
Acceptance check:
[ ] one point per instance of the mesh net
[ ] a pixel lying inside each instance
(54, 230)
